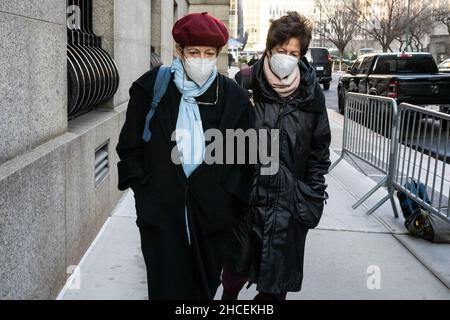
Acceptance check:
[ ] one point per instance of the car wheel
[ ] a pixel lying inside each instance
(326, 86)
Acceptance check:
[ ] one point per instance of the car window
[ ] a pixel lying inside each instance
(445, 64)
(319, 54)
(355, 66)
(365, 65)
(383, 66)
(394, 64)
(308, 56)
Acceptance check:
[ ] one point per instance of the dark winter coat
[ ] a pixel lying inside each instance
(215, 195)
(269, 243)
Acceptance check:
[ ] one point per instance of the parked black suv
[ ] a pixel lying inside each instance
(407, 77)
(321, 59)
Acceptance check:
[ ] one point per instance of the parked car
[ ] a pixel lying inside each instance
(321, 60)
(337, 60)
(407, 77)
(444, 66)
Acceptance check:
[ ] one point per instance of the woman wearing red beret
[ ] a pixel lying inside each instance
(186, 209)
(269, 242)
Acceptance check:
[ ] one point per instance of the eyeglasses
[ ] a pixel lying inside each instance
(198, 54)
(217, 97)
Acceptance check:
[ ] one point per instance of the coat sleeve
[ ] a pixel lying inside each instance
(238, 177)
(244, 78)
(130, 147)
(310, 193)
(238, 77)
(319, 158)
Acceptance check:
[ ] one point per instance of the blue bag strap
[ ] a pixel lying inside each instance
(423, 193)
(411, 185)
(159, 89)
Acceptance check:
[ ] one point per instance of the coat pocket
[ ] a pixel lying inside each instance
(145, 208)
(137, 183)
(308, 205)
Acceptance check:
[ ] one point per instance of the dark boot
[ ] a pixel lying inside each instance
(270, 296)
(232, 284)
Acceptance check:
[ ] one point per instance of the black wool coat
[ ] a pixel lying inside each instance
(269, 242)
(214, 194)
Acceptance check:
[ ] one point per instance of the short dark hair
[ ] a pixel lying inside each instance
(292, 25)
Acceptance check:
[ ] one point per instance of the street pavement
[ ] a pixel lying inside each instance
(350, 255)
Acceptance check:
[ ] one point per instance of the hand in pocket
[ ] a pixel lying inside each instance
(309, 205)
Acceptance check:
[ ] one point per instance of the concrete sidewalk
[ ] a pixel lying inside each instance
(339, 256)
(341, 253)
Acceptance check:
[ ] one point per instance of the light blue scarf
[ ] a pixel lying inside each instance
(189, 129)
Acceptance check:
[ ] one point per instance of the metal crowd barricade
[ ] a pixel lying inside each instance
(370, 132)
(423, 154)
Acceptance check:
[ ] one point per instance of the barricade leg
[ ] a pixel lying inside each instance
(370, 193)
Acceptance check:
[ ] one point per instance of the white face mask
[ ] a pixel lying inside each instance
(199, 69)
(282, 64)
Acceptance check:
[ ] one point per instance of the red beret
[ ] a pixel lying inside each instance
(200, 29)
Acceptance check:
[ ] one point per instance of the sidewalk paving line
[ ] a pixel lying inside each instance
(353, 231)
(408, 242)
(402, 237)
(124, 204)
(84, 258)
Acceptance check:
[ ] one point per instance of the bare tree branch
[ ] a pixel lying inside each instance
(383, 24)
(421, 23)
(442, 15)
(340, 24)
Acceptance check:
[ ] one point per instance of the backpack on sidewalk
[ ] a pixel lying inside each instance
(434, 228)
(159, 89)
(408, 205)
(419, 222)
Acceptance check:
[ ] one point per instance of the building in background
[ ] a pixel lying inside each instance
(58, 177)
(238, 38)
(259, 14)
(434, 40)
(254, 23)
(281, 7)
(437, 42)
(360, 39)
(164, 13)
(236, 19)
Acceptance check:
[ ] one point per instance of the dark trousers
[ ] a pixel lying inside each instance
(233, 284)
(165, 257)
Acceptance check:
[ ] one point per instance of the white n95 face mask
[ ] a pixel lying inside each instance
(282, 64)
(199, 69)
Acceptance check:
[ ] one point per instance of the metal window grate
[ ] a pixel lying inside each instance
(101, 164)
(93, 77)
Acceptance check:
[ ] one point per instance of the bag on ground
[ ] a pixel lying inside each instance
(431, 227)
(408, 205)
